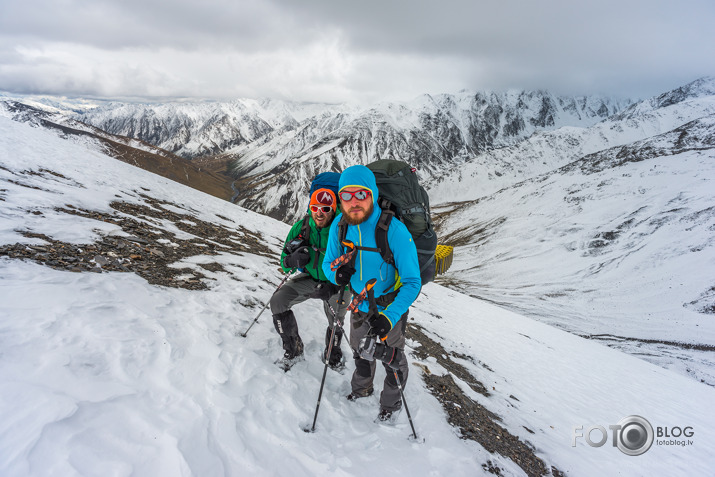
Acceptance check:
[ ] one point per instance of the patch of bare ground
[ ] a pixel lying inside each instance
(147, 250)
(473, 420)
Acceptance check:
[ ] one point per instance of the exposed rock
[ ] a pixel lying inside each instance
(147, 251)
(473, 420)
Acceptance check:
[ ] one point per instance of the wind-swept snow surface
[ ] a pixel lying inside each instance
(107, 374)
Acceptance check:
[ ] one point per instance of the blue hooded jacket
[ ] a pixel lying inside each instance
(403, 276)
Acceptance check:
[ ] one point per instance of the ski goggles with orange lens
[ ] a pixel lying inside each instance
(324, 208)
(361, 194)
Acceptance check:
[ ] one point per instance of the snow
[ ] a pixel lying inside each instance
(493, 170)
(105, 374)
(620, 251)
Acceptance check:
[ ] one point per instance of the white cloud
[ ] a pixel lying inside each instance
(336, 51)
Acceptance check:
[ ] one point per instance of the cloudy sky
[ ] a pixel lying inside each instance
(341, 50)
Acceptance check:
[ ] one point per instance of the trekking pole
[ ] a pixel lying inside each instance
(373, 307)
(402, 394)
(343, 259)
(266, 305)
(336, 323)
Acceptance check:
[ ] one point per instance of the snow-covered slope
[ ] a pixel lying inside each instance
(106, 374)
(617, 246)
(131, 151)
(40, 115)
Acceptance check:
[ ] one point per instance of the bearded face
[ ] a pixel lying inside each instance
(321, 217)
(356, 212)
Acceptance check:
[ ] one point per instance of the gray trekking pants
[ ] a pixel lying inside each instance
(364, 374)
(300, 288)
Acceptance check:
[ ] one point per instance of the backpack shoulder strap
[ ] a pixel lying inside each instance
(305, 235)
(305, 228)
(342, 230)
(383, 224)
(342, 233)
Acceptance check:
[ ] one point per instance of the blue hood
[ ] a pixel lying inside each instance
(359, 176)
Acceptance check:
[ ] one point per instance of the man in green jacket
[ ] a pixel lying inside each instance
(304, 250)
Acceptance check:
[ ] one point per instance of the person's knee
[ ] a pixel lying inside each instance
(390, 375)
(362, 368)
(279, 302)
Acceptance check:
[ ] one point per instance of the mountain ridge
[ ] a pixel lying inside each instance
(131, 151)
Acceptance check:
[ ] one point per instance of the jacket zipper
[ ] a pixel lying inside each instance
(361, 252)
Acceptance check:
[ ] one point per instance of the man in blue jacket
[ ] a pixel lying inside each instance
(396, 287)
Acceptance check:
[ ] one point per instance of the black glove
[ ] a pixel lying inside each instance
(379, 324)
(297, 259)
(343, 274)
(324, 291)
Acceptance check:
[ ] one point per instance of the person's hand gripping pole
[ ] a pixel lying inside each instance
(344, 265)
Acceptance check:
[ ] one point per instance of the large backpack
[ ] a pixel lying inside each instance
(325, 180)
(402, 197)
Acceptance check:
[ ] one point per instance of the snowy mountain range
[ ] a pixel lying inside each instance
(578, 212)
(476, 121)
(123, 296)
(271, 146)
(550, 150)
(434, 133)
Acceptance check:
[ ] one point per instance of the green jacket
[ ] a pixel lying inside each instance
(317, 241)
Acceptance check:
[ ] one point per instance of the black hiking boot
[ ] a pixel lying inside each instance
(355, 395)
(293, 353)
(287, 327)
(386, 415)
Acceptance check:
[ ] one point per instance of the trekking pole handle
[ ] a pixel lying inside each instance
(347, 257)
(371, 295)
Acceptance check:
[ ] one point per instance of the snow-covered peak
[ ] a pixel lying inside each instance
(699, 88)
(54, 104)
(702, 88)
